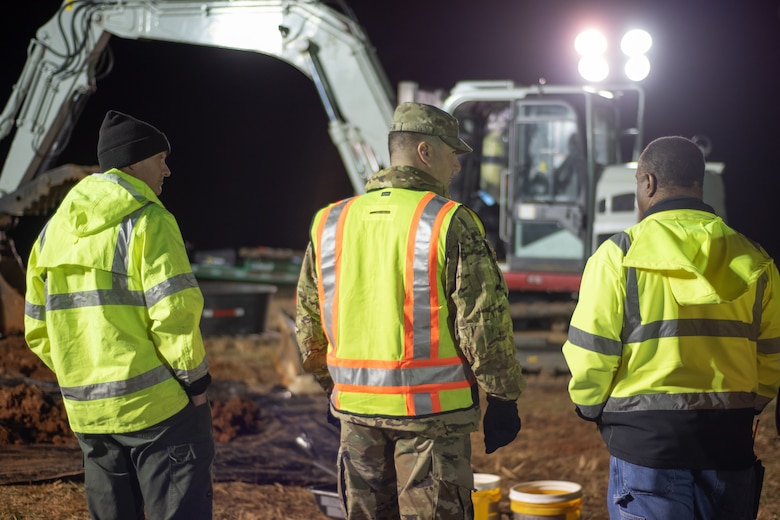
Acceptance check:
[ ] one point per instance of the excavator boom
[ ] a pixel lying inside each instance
(68, 55)
(64, 61)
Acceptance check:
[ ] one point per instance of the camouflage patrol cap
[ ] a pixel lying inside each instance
(429, 120)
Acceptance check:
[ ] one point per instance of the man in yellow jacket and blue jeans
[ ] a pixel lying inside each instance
(674, 347)
(112, 307)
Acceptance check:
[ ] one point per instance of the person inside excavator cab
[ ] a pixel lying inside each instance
(567, 177)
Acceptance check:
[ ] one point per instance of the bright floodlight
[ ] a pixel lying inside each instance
(593, 68)
(637, 68)
(636, 42)
(590, 43)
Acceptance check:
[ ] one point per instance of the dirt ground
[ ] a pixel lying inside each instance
(275, 447)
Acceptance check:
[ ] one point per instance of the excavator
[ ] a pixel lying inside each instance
(70, 52)
(551, 174)
(552, 177)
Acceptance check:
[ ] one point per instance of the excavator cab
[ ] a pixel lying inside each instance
(539, 154)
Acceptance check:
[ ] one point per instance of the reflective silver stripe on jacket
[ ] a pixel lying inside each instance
(594, 342)
(769, 346)
(38, 312)
(148, 379)
(172, 285)
(190, 376)
(35, 311)
(116, 179)
(96, 391)
(689, 401)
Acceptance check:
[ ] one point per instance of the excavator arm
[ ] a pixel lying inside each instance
(64, 61)
(68, 55)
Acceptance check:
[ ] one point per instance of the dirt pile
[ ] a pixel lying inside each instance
(28, 415)
(31, 409)
(18, 361)
(238, 416)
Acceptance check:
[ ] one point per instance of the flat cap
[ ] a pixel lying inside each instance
(429, 120)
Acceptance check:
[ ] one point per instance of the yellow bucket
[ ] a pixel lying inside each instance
(546, 499)
(486, 496)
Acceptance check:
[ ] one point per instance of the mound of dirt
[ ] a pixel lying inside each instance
(16, 360)
(28, 415)
(238, 416)
(31, 409)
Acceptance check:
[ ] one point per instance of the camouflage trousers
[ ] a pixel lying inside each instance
(389, 474)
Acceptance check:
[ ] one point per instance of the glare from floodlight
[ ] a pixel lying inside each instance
(590, 43)
(636, 42)
(594, 68)
(637, 68)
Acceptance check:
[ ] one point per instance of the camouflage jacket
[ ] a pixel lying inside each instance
(478, 303)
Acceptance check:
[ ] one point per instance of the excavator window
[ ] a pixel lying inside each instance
(549, 156)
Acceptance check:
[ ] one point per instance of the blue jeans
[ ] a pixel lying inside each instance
(641, 493)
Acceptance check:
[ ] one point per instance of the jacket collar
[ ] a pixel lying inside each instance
(679, 203)
(406, 177)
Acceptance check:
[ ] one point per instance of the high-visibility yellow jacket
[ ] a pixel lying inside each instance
(112, 307)
(675, 342)
(390, 351)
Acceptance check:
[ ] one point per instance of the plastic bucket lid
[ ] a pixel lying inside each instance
(545, 492)
(484, 481)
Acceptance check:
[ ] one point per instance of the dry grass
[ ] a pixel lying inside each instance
(62, 500)
(553, 445)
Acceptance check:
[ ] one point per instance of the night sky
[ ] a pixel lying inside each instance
(252, 159)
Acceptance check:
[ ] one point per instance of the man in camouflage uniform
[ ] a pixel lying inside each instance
(402, 316)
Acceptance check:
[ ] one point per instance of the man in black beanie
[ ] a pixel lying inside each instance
(129, 144)
(114, 310)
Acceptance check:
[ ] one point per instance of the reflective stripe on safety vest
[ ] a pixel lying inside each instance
(426, 367)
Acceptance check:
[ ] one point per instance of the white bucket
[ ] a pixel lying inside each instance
(546, 499)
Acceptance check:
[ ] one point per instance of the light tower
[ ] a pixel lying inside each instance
(592, 46)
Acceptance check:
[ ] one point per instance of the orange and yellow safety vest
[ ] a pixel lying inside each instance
(380, 266)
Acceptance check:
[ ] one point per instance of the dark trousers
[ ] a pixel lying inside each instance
(165, 470)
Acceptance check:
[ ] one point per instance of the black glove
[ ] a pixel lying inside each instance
(501, 423)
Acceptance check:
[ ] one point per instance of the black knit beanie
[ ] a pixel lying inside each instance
(125, 140)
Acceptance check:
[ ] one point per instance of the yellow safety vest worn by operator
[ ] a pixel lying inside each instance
(678, 338)
(390, 348)
(112, 306)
